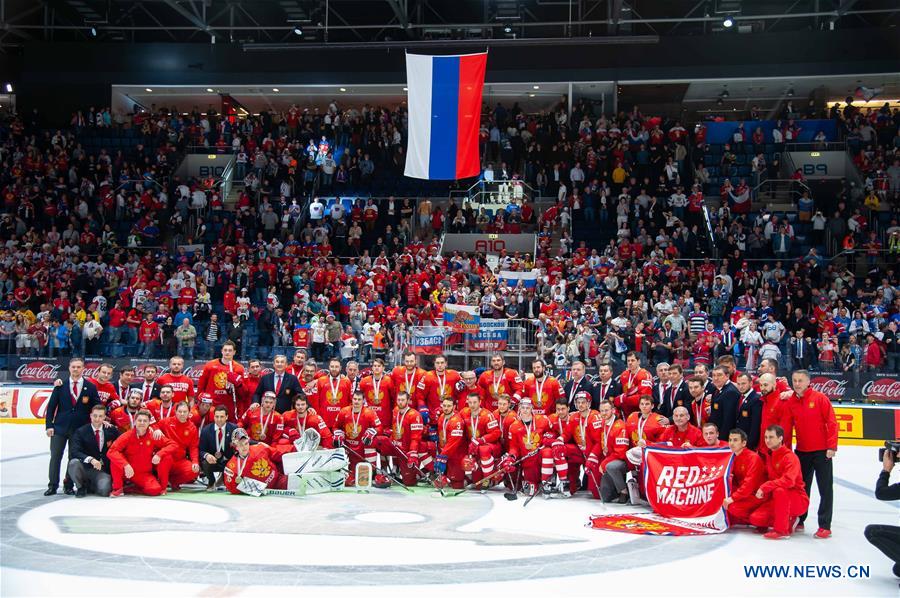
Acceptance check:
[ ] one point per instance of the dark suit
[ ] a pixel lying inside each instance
(607, 392)
(154, 390)
(208, 447)
(571, 389)
(676, 396)
(724, 409)
(83, 444)
(749, 417)
(801, 353)
(284, 400)
(65, 414)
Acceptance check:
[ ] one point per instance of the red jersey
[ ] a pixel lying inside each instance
(775, 411)
(505, 382)
(182, 386)
(354, 425)
(524, 438)
(246, 391)
(408, 381)
(137, 451)
(223, 381)
(482, 428)
(406, 429)
(747, 473)
(814, 422)
(434, 388)
(675, 437)
(159, 410)
(107, 392)
(295, 425)
(579, 429)
(649, 429)
(332, 395)
(461, 393)
(124, 419)
(559, 427)
(202, 420)
(543, 393)
(504, 422)
(610, 440)
(451, 436)
(634, 386)
(783, 471)
(268, 428)
(257, 465)
(379, 395)
(185, 435)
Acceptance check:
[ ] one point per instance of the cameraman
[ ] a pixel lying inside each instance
(886, 538)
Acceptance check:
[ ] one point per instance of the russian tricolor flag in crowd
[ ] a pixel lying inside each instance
(512, 279)
(444, 115)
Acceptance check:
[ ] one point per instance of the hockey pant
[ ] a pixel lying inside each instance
(485, 460)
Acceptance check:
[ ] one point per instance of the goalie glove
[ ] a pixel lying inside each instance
(369, 436)
(338, 438)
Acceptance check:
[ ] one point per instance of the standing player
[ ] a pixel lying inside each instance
(334, 394)
(222, 378)
(451, 447)
(182, 385)
(775, 410)
(186, 461)
(356, 427)
(252, 462)
(378, 391)
(434, 386)
(407, 377)
(542, 389)
(483, 436)
(106, 390)
(249, 383)
(134, 455)
(500, 380)
(636, 382)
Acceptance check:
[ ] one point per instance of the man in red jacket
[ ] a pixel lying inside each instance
(451, 446)
(500, 380)
(748, 472)
(180, 430)
(607, 460)
(252, 462)
(222, 378)
(135, 453)
(783, 494)
(403, 442)
(182, 385)
(817, 439)
(636, 382)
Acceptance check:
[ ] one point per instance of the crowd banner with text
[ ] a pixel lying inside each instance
(428, 340)
(492, 335)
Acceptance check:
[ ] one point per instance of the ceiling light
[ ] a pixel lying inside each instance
(9, 88)
(209, 89)
(725, 93)
(275, 89)
(531, 95)
(507, 29)
(298, 31)
(343, 89)
(405, 89)
(536, 86)
(148, 90)
(728, 22)
(93, 32)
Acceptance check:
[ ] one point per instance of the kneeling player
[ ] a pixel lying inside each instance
(180, 430)
(252, 462)
(451, 447)
(135, 454)
(483, 434)
(748, 472)
(784, 496)
(405, 446)
(607, 462)
(530, 440)
(355, 429)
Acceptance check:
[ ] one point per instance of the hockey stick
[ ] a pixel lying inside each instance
(378, 470)
(537, 488)
(512, 494)
(493, 475)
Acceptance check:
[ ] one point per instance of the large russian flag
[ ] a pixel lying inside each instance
(444, 115)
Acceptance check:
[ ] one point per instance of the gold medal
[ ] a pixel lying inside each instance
(239, 479)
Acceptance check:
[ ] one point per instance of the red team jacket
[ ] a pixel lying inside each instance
(382, 402)
(544, 403)
(257, 466)
(262, 428)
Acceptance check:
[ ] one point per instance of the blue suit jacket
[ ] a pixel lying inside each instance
(208, 440)
(64, 417)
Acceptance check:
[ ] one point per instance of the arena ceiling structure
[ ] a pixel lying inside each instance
(295, 23)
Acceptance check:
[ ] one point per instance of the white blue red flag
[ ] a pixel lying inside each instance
(512, 279)
(444, 115)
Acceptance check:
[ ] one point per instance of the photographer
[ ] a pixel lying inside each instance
(886, 538)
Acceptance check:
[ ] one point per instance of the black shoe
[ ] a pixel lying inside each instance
(49, 491)
(69, 491)
(80, 493)
(623, 499)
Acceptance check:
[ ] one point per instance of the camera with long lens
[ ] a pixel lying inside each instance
(889, 445)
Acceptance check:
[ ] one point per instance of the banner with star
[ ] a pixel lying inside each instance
(685, 488)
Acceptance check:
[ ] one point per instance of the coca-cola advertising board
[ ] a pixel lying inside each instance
(45, 371)
(874, 387)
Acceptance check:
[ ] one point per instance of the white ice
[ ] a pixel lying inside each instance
(713, 567)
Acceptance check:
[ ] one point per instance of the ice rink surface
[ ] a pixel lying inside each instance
(391, 542)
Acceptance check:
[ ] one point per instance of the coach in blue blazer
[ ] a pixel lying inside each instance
(69, 409)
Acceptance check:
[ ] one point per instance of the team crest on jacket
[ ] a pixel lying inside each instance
(811, 405)
(220, 379)
(260, 468)
(332, 398)
(531, 440)
(186, 432)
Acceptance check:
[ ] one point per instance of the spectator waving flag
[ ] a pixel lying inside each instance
(512, 279)
(444, 115)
